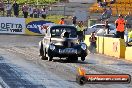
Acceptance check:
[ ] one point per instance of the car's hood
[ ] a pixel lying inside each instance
(90, 30)
(61, 41)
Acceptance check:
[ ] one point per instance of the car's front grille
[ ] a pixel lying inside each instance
(68, 44)
(68, 51)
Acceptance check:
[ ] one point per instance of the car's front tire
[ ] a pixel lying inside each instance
(50, 58)
(83, 58)
(42, 53)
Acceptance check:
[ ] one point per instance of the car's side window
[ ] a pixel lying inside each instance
(98, 26)
(101, 26)
(94, 27)
(57, 32)
(112, 27)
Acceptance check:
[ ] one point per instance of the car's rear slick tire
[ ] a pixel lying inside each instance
(43, 56)
(41, 52)
(83, 58)
(50, 58)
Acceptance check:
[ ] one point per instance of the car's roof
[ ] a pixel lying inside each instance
(62, 26)
(101, 24)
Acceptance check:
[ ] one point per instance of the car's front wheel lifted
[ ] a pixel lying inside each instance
(43, 57)
(83, 58)
(50, 58)
(41, 52)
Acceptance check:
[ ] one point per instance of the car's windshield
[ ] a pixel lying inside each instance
(58, 30)
(99, 26)
(112, 27)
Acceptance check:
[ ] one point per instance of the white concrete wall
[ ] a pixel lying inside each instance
(83, 1)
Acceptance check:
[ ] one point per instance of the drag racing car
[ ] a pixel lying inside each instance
(61, 41)
(98, 27)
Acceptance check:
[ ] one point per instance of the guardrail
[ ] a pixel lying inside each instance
(128, 54)
(114, 47)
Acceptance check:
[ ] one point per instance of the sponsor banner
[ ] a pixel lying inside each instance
(12, 25)
(83, 78)
(116, 47)
(37, 26)
(128, 55)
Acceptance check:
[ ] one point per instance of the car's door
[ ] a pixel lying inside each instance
(112, 29)
(94, 28)
(47, 39)
(90, 30)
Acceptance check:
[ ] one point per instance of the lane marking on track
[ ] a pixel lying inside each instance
(3, 84)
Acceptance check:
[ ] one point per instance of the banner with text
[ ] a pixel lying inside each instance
(12, 25)
(37, 26)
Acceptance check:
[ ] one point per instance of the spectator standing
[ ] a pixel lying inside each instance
(31, 11)
(25, 10)
(93, 44)
(99, 3)
(36, 12)
(128, 19)
(107, 27)
(120, 27)
(104, 4)
(129, 41)
(103, 16)
(8, 9)
(106, 14)
(62, 21)
(109, 13)
(112, 1)
(2, 6)
(74, 20)
(44, 12)
(80, 31)
(16, 8)
(130, 36)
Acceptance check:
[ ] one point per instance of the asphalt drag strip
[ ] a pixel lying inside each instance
(67, 71)
(20, 53)
(18, 73)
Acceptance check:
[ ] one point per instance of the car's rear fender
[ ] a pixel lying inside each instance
(40, 45)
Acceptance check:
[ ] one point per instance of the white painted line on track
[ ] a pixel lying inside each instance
(3, 84)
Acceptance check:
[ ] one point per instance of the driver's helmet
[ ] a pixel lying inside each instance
(65, 34)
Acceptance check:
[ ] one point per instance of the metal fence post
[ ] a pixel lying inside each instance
(64, 10)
